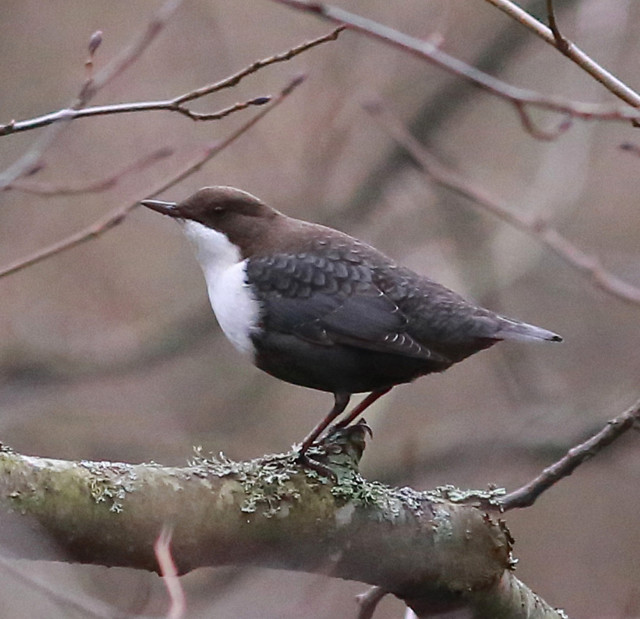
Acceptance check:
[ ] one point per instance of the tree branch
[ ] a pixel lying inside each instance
(176, 104)
(527, 494)
(169, 572)
(116, 216)
(561, 43)
(169, 105)
(129, 55)
(434, 113)
(432, 549)
(520, 98)
(533, 226)
(569, 49)
(31, 159)
(368, 602)
(103, 184)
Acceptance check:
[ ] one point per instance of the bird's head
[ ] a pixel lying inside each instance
(213, 215)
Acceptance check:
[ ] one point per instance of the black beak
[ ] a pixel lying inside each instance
(165, 208)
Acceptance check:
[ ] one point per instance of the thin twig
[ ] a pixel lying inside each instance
(94, 43)
(176, 104)
(527, 494)
(561, 43)
(30, 160)
(117, 215)
(130, 54)
(552, 36)
(103, 184)
(169, 105)
(533, 226)
(540, 134)
(234, 79)
(368, 602)
(516, 96)
(236, 107)
(169, 572)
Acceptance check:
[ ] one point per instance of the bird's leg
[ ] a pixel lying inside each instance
(360, 408)
(341, 402)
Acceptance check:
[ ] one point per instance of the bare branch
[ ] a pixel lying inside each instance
(104, 184)
(94, 43)
(427, 548)
(129, 55)
(176, 104)
(169, 105)
(540, 134)
(368, 602)
(31, 159)
(518, 97)
(527, 494)
(569, 49)
(236, 107)
(533, 226)
(561, 43)
(169, 572)
(117, 215)
(234, 79)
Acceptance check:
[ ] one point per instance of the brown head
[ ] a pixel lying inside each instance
(242, 218)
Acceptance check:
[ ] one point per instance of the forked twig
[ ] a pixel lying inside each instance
(552, 36)
(178, 103)
(561, 43)
(117, 215)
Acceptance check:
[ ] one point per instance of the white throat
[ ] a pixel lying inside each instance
(224, 270)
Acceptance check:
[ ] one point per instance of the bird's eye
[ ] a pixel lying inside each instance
(218, 209)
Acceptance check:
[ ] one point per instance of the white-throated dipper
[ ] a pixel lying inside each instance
(318, 308)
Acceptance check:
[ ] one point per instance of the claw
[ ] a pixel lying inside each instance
(322, 469)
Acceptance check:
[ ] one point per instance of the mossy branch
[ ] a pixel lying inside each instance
(434, 550)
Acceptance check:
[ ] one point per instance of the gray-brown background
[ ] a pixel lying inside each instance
(86, 362)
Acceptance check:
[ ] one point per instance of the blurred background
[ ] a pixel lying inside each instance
(110, 350)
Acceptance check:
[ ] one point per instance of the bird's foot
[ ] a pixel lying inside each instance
(340, 445)
(322, 469)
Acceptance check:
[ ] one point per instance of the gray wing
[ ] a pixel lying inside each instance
(331, 301)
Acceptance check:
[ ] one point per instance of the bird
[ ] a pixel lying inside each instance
(321, 309)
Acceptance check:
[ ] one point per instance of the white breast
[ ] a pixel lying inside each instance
(235, 307)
